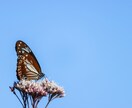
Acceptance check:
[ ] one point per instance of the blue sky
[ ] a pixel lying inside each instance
(83, 45)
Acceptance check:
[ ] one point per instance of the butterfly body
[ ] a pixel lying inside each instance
(27, 65)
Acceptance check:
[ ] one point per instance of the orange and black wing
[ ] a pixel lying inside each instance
(27, 65)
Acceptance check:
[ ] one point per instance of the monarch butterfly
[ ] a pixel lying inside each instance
(28, 67)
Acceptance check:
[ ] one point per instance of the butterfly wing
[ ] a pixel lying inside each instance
(27, 64)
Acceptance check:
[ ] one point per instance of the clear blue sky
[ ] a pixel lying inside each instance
(83, 45)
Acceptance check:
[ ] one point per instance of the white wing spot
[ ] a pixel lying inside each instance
(23, 51)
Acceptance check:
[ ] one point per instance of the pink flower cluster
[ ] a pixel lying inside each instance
(32, 92)
(40, 88)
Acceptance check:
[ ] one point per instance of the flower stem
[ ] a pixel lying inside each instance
(47, 104)
(49, 100)
(18, 99)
